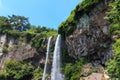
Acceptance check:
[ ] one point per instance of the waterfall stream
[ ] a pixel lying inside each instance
(45, 67)
(56, 73)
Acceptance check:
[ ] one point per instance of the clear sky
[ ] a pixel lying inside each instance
(49, 13)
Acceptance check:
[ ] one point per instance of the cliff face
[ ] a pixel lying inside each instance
(91, 38)
(11, 48)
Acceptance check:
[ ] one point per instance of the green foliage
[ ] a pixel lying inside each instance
(16, 70)
(113, 68)
(39, 29)
(40, 33)
(4, 49)
(37, 74)
(65, 56)
(37, 40)
(20, 28)
(87, 4)
(67, 71)
(21, 36)
(73, 71)
(14, 22)
(42, 30)
(13, 33)
(4, 23)
(114, 18)
(19, 23)
(66, 28)
(50, 33)
(72, 68)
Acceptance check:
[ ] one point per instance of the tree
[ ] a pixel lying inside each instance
(4, 23)
(19, 23)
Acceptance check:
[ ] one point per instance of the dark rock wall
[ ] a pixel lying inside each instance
(92, 39)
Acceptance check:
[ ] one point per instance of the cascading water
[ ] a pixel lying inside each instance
(56, 73)
(45, 67)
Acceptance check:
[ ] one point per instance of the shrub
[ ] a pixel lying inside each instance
(16, 70)
(113, 18)
(49, 33)
(37, 74)
(37, 41)
(2, 76)
(113, 68)
(73, 71)
(4, 49)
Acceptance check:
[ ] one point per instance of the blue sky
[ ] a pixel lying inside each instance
(49, 13)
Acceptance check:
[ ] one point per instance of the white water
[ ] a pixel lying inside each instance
(45, 67)
(56, 73)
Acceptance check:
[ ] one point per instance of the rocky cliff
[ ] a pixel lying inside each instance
(12, 48)
(90, 36)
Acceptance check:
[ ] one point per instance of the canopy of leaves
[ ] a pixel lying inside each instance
(19, 27)
(19, 23)
(4, 23)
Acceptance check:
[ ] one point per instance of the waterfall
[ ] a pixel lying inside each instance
(45, 67)
(56, 73)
